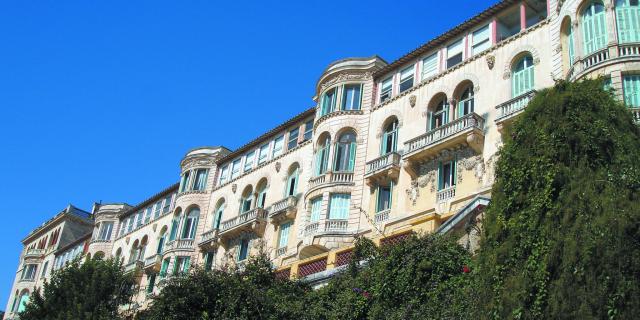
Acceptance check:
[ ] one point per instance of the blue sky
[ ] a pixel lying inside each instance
(99, 100)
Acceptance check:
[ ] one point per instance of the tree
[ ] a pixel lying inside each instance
(252, 292)
(562, 232)
(92, 289)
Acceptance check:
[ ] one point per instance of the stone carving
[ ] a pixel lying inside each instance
(197, 161)
(234, 188)
(346, 77)
(491, 61)
(559, 48)
(491, 168)
(412, 100)
(427, 174)
(413, 192)
(278, 166)
(468, 160)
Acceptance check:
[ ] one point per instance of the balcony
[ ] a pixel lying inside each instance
(382, 216)
(284, 209)
(34, 254)
(179, 245)
(209, 238)
(466, 130)
(134, 267)
(153, 263)
(331, 178)
(604, 56)
(331, 226)
(383, 168)
(252, 220)
(508, 110)
(446, 194)
(28, 279)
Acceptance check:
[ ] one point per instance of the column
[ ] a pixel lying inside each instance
(523, 16)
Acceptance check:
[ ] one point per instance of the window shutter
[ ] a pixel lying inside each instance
(440, 176)
(352, 156)
(432, 123)
(460, 109)
(601, 31)
(587, 27)
(571, 49)
(453, 170)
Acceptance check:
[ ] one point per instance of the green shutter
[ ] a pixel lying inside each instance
(432, 122)
(440, 176)
(453, 170)
(571, 49)
(594, 29)
(460, 109)
(383, 149)
(352, 156)
(628, 18)
(631, 88)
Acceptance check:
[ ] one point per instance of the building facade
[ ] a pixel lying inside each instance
(388, 149)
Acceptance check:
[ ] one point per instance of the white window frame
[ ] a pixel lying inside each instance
(431, 73)
(263, 153)
(278, 150)
(249, 160)
(407, 74)
(483, 43)
(384, 91)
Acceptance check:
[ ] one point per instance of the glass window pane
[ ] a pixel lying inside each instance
(430, 66)
(293, 139)
(277, 146)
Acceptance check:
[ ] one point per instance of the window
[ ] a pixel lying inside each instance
(292, 182)
(24, 299)
(351, 97)
(480, 40)
(174, 228)
(570, 41)
(261, 200)
(522, 79)
(185, 182)
(316, 208)
(156, 209)
(201, 179)
(224, 175)
(440, 116)
(384, 198)
(322, 156)
(386, 89)
(430, 66)
(44, 269)
(130, 224)
(628, 20)
(390, 138)
(190, 224)
(218, 216)
(243, 249)
(308, 130)
(181, 265)
(139, 219)
(29, 272)
(263, 153)
(465, 106)
(147, 215)
(164, 267)
(631, 90)
(152, 282)
(328, 103)
(235, 168)
(406, 79)
(345, 155)
(284, 235)
(105, 231)
(245, 203)
(209, 260)
(293, 138)
(278, 144)
(161, 243)
(339, 206)
(446, 175)
(594, 27)
(248, 161)
(454, 53)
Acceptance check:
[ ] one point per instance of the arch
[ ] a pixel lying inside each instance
(162, 237)
(438, 109)
(311, 250)
(567, 44)
(261, 192)
(175, 223)
(293, 174)
(345, 151)
(246, 199)
(322, 138)
(23, 300)
(523, 79)
(190, 224)
(517, 54)
(389, 139)
(218, 213)
(464, 97)
(340, 132)
(321, 157)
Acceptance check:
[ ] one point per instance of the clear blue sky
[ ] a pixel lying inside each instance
(99, 100)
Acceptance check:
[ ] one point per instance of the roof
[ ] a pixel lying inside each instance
(256, 141)
(445, 37)
(70, 211)
(75, 242)
(161, 194)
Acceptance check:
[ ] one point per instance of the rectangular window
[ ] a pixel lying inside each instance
(446, 175)
(200, 182)
(430, 66)
(263, 153)
(328, 103)
(164, 267)
(224, 175)
(130, 224)
(316, 208)
(181, 265)
(248, 160)
(386, 89)
(454, 54)
(631, 90)
(384, 198)
(139, 218)
(185, 182)
(351, 97)
(284, 235)
(481, 41)
(209, 260)
(308, 130)
(339, 206)
(278, 144)
(29, 272)
(406, 79)
(293, 138)
(243, 250)
(167, 204)
(105, 231)
(151, 283)
(156, 209)
(235, 168)
(147, 215)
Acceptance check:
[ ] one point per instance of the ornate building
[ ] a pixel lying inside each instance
(389, 149)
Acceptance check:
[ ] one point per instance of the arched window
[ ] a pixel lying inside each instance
(466, 104)
(322, 156)
(628, 20)
(292, 181)
(245, 201)
(328, 103)
(345, 155)
(522, 79)
(143, 247)
(594, 27)
(24, 299)
(218, 215)
(161, 239)
(133, 253)
(261, 190)
(190, 224)
(175, 223)
(440, 114)
(390, 137)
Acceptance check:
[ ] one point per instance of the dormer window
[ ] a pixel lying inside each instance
(385, 89)
(406, 79)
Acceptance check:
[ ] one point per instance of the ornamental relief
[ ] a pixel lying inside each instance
(192, 162)
(342, 77)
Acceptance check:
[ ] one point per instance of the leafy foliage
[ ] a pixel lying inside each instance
(562, 232)
(90, 290)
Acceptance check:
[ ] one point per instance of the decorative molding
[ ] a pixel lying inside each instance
(278, 165)
(234, 187)
(517, 53)
(491, 61)
(344, 77)
(412, 100)
(199, 160)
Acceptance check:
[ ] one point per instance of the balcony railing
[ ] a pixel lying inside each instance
(281, 251)
(34, 253)
(336, 225)
(629, 49)
(209, 236)
(331, 178)
(311, 228)
(179, 244)
(133, 266)
(381, 163)
(283, 209)
(31, 279)
(446, 194)
(510, 108)
(382, 216)
(595, 58)
(470, 121)
(153, 261)
(250, 219)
